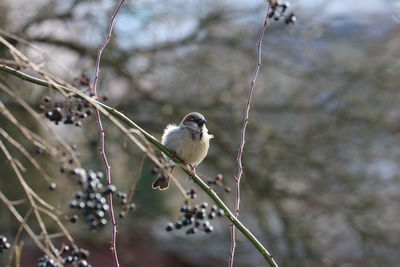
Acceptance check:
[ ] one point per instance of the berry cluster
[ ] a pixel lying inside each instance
(4, 245)
(218, 181)
(69, 112)
(196, 218)
(126, 206)
(71, 256)
(91, 199)
(278, 11)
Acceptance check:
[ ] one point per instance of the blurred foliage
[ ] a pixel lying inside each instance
(321, 184)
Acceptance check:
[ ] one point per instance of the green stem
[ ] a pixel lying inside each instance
(121, 117)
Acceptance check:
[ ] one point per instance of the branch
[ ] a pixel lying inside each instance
(102, 134)
(21, 220)
(129, 123)
(243, 134)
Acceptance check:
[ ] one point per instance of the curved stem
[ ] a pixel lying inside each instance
(243, 134)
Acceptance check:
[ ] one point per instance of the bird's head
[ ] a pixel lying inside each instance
(194, 120)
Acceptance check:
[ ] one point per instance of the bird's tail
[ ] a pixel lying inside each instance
(162, 181)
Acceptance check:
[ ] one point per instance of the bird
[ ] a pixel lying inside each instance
(189, 141)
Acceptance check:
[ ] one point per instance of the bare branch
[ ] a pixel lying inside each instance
(102, 135)
(243, 134)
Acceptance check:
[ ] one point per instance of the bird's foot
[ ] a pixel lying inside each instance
(173, 155)
(192, 170)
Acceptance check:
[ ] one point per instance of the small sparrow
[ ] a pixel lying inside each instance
(189, 141)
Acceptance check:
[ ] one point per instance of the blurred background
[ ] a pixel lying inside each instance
(321, 162)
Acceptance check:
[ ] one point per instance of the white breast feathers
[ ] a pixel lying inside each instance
(180, 140)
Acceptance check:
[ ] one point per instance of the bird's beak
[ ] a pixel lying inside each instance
(200, 122)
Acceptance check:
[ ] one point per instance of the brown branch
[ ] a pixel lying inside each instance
(30, 135)
(243, 134)
(17, 235)
(101, 131)
(31, 195)
(26, 227)
(61, 141)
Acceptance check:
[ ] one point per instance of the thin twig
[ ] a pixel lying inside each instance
(101, 132)
(243, 135)
(59, 223)
(133, 185)
(26, 227)
(30, 135)
(61, 141)
(113, 113)
(17, 235)
(31, 195)
(22, 149)
(46, 55)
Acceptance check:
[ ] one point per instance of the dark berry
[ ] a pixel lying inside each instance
(52, 186)
(73, 218)
(220, 212)
(206, 224)
(211, 215)
(84, 254)
(69, 120)
(204, 205)
(39, 150)
(110, 189)
(78, 194)
(169, 227)
(65, 248)
(83, 263)
(201, 214)
(3, 239)
(209, 229)
(68, 259)
(188, 215)
(73, 204)
(90, 204)
(100, 214)
(184, 208)
(178, 225)
(271, 14)
(191, 231)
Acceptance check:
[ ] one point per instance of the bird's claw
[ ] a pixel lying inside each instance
(192, 170)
